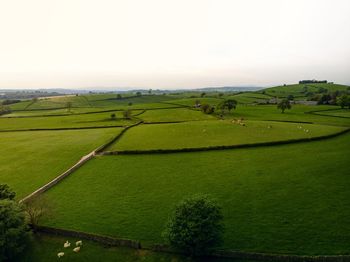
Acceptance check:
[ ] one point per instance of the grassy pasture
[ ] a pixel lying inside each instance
(297, 89)
(31, 159)
(176, 114)
(298, 113)
(45, 248)
(270, 203)
(191, 101)
(215, 133)
(339, 112)
(70, 121)
(249, 98)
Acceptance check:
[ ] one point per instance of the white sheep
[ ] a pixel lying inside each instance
(60, 254)
(79, 243)
(67, 244)
(76, 250)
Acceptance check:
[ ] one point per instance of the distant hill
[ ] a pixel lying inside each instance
(302, 89)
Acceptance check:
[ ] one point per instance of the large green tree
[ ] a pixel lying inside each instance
(284, 104)
(343, 101)
(195, 226)
(227, 105)
(14, 233)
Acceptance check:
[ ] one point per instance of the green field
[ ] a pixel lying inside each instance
(288, 199)
(299, 89)
(34, 158)
(270, 203)
(45, 248)
(215, 133)
(70, 121)
(173, 115)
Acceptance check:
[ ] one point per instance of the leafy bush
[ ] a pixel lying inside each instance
(14, 231)
(6, 192)
(196, 226)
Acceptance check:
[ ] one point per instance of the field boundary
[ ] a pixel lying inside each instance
(106, 240)
(73, 168)
(112, 241)
(210, 148)
(60, 129)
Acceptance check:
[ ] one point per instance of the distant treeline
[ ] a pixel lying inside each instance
(313, 81)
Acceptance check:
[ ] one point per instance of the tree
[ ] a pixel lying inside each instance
(138, 93)
(203, 94)
(290, 97)
(14, 231)
(127, 114)
(36, 209)
(228, 105)
(195, 226)
(343, 101)
(6, 192)
(119, 96)
(69, 106)
(284, 104)
(207, 109)
(113, 116)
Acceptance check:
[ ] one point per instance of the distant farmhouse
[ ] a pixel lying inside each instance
(312, 81)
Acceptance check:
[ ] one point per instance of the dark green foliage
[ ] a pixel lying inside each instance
(227, 105)
(284, 104)
(113, 116)
(14, 231)
(203, 94)
(138, 93)
(196, 226)
(6, 192)
(290, 97)
(119, 96)
(4, 110)
(343, 101)
(10, 101)
(207, 109)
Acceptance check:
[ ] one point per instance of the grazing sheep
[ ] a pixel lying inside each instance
(79, 243)
(76, 250)
(269, 126)
(67, 244)
(307, 131)
(61, 254)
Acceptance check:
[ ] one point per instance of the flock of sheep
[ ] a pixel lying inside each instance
(78, 245)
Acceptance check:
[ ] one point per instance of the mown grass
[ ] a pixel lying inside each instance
(45, 248)
(215, 133)
(339, 112)
(176, 114)
(31, 159)
(69, 121)
(298, 113)
(192, 101)
(284, 199)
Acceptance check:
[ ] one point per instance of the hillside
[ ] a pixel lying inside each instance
(300, 90)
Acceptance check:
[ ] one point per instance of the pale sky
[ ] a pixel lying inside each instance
(172, 43)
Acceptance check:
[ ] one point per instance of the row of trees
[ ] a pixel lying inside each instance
(223, 107)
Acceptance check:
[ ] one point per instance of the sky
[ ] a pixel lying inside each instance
(171, 44)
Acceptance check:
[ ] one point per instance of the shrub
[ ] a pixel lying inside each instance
(207, 109)
(228, 105)
(6, 192)
(195, 226)
(14, 231)
(113, 116)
